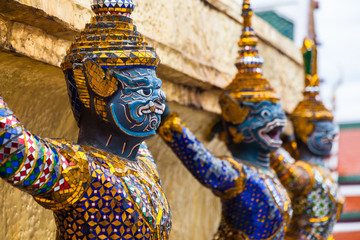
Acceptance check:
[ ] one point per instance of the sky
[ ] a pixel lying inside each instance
(338, 29)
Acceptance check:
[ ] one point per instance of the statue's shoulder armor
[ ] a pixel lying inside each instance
(74, 176)
(308, 180)
(239, 181)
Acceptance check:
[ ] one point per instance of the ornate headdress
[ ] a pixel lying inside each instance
(110, 40)
(311, 108)
(249, 83)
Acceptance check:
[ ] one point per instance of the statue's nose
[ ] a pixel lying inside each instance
(280, 114)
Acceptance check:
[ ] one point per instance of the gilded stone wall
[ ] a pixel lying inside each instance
(198, 46)
(197, 43)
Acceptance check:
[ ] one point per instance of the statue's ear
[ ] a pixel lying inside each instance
(303, 129)
(231, 110)
(81, 87)
(101, 83)
(215, 127)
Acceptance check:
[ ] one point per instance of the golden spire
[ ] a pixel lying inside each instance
(309, 51)
(311, 108)
(249, 84)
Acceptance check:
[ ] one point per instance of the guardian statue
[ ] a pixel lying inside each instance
(107, 185)
(254, 203)
(314, 193)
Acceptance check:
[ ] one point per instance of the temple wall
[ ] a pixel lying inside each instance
(197, 43)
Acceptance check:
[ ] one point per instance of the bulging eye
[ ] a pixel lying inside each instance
(145, 92)
(265, 113)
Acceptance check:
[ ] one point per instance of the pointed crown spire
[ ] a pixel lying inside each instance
(311, 108)
(122, 7)
(312, 82)
(249, 83)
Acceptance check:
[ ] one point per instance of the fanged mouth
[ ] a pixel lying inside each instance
(151, 107)
(271, 132)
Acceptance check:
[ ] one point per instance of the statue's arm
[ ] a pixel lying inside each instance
(296, 176)
(220, 175)
(27, 162)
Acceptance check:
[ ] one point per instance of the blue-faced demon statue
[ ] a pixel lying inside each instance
(254, 203)
(107, 185)
(315, 196)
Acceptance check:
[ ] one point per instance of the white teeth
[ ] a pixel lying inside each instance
(163, 107)
(159, 109)
(268, 128)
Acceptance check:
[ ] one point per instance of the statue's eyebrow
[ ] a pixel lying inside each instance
(132, 81)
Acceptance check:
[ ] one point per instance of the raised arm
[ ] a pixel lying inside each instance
(296, 176)
(30, 163)
(220, 175)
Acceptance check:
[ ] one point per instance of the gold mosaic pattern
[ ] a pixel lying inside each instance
(296, 176)
(102, 85)
(172, 123)
(76, 174)
(81, 85)
(100, 108)
(112, 40)
(313, 109)
(108, 197)
(249, 83)
(231, 110)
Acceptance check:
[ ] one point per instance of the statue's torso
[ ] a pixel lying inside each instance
(261, 210)
(122, 199)
(316, 210)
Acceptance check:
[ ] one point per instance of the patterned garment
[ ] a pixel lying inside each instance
(254, 203)
(94, 194)
(315, 196)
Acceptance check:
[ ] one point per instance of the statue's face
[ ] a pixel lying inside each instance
(137, 107)
(263, 125)
(320, 141)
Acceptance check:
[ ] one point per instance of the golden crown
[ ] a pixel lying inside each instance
(249, 83)
(111, 39)
(311, 107)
